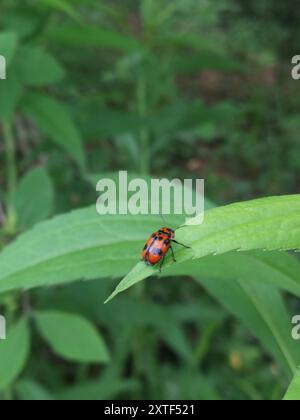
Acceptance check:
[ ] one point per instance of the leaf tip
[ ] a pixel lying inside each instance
(110, 298)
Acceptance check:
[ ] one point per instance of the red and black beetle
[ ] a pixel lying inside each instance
(158, 245)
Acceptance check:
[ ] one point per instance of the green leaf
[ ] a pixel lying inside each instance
(37, 184)
(176, 339)
(93, 36)
(28, 390)
(270, 224)
(276, 268)
(54, 121)
(8, 45)
(62, 6)
(244, 284)
(84, 245)
(37, 67)
(108, 387)
(77, 245)
(30, 66)
(186, 384)
(293, 393)
(10, 93)
(14, 352)
(72, 337)
(138, 273)
(23, 24)
(84, 297)
(260, 306)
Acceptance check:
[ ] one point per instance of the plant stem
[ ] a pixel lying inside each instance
(144, 133)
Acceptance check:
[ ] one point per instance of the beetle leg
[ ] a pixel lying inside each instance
(162, 263)
(178, 243)
(173, 255)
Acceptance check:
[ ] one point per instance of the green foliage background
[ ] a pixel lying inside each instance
(189, 89)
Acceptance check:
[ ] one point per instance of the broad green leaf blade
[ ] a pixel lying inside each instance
(276, 268)
(136, 275)
(293, 393)
(8, 45)
(271, 223)
(53, 119)
(14, 352)
(83, 245)
(72, 337)
(35, 183)
(38, 67)
(78, 245)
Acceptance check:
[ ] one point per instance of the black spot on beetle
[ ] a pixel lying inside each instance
(156, 251)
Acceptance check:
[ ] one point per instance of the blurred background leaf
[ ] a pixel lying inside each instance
(54, 120)
(8, 45)
(14, 352)
(293, 393)
(28, 390)
(34, 199)
(72, 337)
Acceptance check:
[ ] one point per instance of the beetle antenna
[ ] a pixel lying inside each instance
(166, 223)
